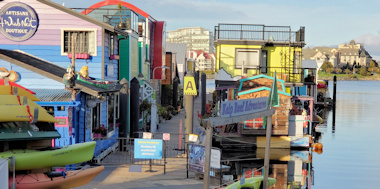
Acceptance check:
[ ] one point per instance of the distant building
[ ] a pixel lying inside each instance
(203, 61)
(196, 38)
(345, 54)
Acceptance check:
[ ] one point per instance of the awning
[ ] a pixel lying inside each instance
(50, 70)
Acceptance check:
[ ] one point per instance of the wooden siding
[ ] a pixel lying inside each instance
(280, 118)
(168, 76)
(134, 57)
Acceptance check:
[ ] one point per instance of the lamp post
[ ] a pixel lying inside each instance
(165, 67)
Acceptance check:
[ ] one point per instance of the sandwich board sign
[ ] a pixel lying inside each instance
(189, 87)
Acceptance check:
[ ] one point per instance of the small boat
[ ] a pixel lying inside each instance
(57, 180)
(251, 183)
(11, 90)
(35, 159)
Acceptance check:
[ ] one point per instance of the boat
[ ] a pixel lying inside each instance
(10, 113)
(17, 100)
(251, 183)
(96, 82)
(57, 180)
(11, 90)
(35, 159)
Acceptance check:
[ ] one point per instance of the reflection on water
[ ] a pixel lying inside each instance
(350, 158)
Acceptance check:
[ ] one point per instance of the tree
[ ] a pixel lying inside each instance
(326, 65)
(347, 71)
(330, 70)
(363, 71)
(373, 64)
(338, 70)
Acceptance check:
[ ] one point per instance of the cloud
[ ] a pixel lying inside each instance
(371, 44)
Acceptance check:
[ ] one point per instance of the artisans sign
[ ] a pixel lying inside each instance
(148, 149)
(241, 107)
(18, 21)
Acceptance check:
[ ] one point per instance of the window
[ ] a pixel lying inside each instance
(247, 57)
(85, 41)
(111, 43)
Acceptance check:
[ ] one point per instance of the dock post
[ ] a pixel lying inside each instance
(334, 104)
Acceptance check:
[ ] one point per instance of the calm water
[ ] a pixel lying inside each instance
(350, 157)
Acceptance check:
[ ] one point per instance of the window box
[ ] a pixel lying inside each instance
(114, 57)
(79, 55)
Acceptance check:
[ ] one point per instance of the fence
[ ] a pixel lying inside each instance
(117, 151)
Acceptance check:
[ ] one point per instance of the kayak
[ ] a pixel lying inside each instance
(10, 90)
(59, 180)
(35, 159)
(251, 183)
(10, 113)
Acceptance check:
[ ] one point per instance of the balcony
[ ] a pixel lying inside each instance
(291, 76)
(259, 33)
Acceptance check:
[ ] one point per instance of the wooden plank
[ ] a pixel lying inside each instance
(217, 121)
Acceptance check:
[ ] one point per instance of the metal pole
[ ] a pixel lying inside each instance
(206, 174)
(73, 63)
(203, 94)
(267, 151)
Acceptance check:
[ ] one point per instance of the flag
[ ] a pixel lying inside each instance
(273, 98)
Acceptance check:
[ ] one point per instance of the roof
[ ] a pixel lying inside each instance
(84, 17)
(309, 64)
(47, 95)
(115, 2)
(179, 49)
(51, 71)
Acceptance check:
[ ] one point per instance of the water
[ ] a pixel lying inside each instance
(350, 157)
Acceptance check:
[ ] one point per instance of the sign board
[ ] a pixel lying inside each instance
(193, 137)
(241, 107)
(148, 149)
(147, 135)
(189, 87)
(18, 22)
(166, 136)
(197, 155)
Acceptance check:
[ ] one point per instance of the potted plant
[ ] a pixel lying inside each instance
(97, 132)
(121, 25)
(103, 131)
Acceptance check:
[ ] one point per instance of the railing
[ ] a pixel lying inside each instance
(258, 32)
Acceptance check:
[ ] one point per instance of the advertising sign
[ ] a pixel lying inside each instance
(18, 21)
(148, 149)
(241, 107)
(197, 155)
(189, 87)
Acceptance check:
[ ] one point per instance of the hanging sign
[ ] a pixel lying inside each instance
(189, 87)
(240, 107)
(18, 21)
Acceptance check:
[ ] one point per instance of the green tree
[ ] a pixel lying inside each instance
(330, 70)
(372, 64)
(338, 70)
(347, 71)
(363, 71)
(326, 65)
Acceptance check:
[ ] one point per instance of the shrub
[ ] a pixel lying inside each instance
(338, 70)
(363, 71)
(330, 70)
(347, 71)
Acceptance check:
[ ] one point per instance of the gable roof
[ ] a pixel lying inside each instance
(50, 71)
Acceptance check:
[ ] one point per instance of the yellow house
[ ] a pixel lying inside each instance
(246, 50)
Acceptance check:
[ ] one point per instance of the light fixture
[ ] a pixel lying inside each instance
(165, 67)
(140, 76)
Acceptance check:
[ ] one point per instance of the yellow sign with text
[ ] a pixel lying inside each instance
(189, 87)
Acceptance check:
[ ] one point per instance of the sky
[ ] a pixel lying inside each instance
(328, 23)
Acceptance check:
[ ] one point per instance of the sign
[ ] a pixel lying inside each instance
(18, 21)
(189, 87)
(241, 107)
(166, 136)
(148, 149)
(197, 155)
(147, 135)
(193, 137)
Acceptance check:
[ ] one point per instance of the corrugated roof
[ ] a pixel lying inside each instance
(55, 95)
(179, 49)
(309, 64)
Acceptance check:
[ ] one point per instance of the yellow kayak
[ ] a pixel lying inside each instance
(10, 90)
(20, 113)
(16, 100)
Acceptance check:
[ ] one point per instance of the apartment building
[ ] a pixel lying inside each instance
(196, 38)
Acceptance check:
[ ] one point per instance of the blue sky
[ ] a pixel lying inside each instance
(327, 22)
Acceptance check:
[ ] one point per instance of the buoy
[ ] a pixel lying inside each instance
(318, 146)
(318, 151)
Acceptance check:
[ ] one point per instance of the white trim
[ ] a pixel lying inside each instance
(93, 48)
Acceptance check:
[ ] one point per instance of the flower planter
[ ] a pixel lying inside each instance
(114, 57)
(97, 135)
(79, 55)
